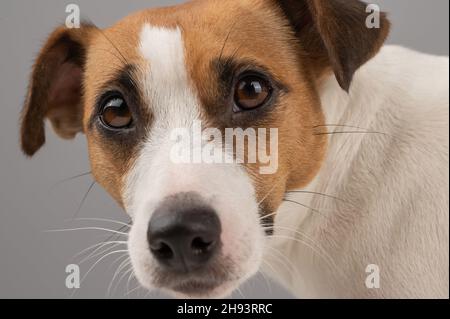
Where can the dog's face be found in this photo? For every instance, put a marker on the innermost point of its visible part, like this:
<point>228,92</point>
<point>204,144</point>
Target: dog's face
<point>199,229</point>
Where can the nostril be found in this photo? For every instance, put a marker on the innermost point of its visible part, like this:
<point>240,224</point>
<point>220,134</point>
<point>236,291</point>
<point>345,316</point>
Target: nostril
<point>201,246</point>
<point>162,251</point>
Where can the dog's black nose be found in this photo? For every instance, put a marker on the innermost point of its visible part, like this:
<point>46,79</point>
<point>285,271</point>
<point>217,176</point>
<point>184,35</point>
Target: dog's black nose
<point>184,233</point>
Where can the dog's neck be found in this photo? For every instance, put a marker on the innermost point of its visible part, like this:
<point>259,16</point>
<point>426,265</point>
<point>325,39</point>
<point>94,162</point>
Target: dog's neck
<point>355,111</point>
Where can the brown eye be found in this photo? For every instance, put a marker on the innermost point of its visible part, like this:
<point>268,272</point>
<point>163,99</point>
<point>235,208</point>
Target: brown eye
<point>251,92</point>
<point>116,114</point>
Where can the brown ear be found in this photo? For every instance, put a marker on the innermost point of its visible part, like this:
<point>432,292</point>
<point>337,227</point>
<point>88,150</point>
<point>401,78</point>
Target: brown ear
<point>333,33</point>
<point>55,89</point>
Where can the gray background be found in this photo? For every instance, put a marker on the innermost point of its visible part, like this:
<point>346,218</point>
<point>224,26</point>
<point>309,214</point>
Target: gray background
<point>32,262</point>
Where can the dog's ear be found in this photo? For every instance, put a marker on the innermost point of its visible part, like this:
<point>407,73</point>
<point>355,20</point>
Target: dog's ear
<point>334,33</point>
<point>55,88</point>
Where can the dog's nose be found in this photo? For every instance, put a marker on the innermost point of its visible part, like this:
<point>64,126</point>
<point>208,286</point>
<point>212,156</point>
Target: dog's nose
<point>184,234</point>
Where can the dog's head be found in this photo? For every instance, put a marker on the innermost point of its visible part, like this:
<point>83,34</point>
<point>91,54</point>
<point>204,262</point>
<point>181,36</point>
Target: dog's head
<point>199,229</point>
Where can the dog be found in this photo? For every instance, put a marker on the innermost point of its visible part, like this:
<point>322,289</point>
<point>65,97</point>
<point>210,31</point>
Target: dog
<point>358,205</point>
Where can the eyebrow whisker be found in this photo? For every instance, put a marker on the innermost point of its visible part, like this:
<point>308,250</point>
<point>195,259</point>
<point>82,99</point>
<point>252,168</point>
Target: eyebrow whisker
<point>226,39</point>
<point>124,59</point>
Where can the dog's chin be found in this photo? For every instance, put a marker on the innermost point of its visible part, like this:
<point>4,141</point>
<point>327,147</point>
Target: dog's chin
<point>195,289</point>
<point>202,290</point>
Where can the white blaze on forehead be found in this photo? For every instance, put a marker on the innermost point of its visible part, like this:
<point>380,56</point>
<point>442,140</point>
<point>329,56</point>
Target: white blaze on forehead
<point>228,189</point>
<point>166,84</point>
<point>163,48</point>
<point>172,102</point>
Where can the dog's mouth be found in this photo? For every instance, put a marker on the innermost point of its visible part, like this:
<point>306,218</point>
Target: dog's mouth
<point>214,282</point>
<point>187,249</point>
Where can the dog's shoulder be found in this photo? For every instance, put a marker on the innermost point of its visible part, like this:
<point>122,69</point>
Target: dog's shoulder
<point>404,93</point>
<point>389,159</point>
<point>409,78</point>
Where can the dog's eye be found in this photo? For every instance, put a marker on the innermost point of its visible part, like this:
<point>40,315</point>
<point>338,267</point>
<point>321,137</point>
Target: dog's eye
<point>251,92</point>
<point>115,113</point>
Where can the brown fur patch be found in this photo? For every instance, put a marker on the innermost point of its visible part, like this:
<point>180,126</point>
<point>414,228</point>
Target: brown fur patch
<point>334,33</point>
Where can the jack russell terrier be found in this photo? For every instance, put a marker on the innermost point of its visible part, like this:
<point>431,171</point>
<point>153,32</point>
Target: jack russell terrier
<point>361,186</point>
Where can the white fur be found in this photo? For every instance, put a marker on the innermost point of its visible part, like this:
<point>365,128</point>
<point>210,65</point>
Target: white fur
<point>166,86</point>
<point>154,176</point>
<point>393,188</point>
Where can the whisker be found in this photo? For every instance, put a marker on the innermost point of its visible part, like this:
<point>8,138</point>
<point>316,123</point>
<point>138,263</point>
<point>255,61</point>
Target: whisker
<point>241,293</point>
<point>129,272</point>
<point>303,205</point>
<point>94,246</point>
<point>133,290</point>
<point>351,132</point>
<point>109,240</point>
<point>362,129</point>
<point>94,254</point>
<point>116,64</point>
<point>270,191</point>
<point>84,199</point>
<point>116,236</point>
<point>275,272</point>
<point>121,229</point>
<point>124,263</point>
<point>104,220</point>
<point>97,262</point>
<point>314,209</point>
<point>341,125</point>
<point>235,53</point>
<point>226,40</point>
<point>267,281</point>
<point>327,258</point>
<point>124,59</point>
<point>295,231</point>
<point>288,266</point>
<point>358,130</point>
<point>71,178</point>
<point>265,217</point>
<point>130,277</point>
<point>84,228</point>
<point>117,260</point>
<point>320,194</point>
